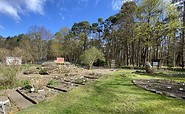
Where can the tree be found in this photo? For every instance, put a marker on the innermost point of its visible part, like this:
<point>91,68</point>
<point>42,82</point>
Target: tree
<point>82,29</point>
<point>26,46</point>
<point>3,54</point>
<point>91,55</point>
<point>2,42</point>
<point>126,22</point>
<point>55,46</point>
<point>96,30</point>
<point>39,37</point>
<point>156,20</point>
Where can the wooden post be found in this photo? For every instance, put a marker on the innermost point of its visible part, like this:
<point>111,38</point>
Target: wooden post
<point>60,69</point>
<point>60,61</point>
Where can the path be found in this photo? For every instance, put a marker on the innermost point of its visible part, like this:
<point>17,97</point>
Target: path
<point>18,99</point>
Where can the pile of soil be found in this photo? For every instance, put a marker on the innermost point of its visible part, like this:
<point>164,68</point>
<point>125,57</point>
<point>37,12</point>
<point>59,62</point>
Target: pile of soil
<point>165,87</point>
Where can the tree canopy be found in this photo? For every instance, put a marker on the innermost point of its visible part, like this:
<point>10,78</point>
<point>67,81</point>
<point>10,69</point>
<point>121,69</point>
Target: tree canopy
<point>136,34</point>
<point>91,55</point>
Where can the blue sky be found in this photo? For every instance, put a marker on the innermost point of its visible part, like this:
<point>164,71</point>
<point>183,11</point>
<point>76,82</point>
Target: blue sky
<point>16,16</point>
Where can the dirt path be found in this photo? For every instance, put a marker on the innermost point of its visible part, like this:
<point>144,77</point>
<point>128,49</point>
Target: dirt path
<point>18,99</point>
<point>102,71</point>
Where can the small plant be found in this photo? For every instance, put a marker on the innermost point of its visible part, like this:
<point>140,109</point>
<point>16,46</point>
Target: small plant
<point>80,81</point>
<point>27,88</point>
<point>53,82</point>
<point>26,85</point>
<point>43,72</point>
<point>31,70</point>
<point>25,82</point>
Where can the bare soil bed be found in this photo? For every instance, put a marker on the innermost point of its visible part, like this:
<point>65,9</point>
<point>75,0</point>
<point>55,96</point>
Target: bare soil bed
<point>65,82</point>
<point>165,87</point>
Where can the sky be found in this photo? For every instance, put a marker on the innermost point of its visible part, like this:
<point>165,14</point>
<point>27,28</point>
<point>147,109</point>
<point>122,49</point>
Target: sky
<point>17,16</point>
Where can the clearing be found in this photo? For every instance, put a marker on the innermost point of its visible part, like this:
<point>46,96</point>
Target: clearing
<point>112,94</point>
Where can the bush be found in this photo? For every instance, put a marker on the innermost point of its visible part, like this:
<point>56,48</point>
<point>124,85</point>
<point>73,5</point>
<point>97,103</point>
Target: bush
<point>91,55</point>
<point>100,63</point>
<point>8,75</point>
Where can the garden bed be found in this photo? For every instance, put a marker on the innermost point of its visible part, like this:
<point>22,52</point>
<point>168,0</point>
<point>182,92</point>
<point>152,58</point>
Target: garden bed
<point>165,87</point>
<point>40,95</point>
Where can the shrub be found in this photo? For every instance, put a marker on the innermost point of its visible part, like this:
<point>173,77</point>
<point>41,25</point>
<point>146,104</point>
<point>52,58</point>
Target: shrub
<point>100,63</point>
<point>25,82</point>
<point>8,76</point>
<point>91,55</point>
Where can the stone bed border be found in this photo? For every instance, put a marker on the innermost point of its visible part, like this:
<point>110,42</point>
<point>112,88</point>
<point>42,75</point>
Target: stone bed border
<point>158,92</point>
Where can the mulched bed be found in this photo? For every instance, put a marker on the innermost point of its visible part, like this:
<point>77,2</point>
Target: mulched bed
<point>63,85</point>
<point>165,87</point>
<point>72,82</point>
<point>36,97</point>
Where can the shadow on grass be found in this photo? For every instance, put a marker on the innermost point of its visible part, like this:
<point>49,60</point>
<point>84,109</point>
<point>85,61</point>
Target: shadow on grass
<point>164,76</point>
<point>137,100</point>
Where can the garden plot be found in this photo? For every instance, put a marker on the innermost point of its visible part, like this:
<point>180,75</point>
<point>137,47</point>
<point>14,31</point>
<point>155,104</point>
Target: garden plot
<point>68,83</point>
<point>41,83</point>
<point>166,87</point>
<point>39,95</point>
<point>54,87</point>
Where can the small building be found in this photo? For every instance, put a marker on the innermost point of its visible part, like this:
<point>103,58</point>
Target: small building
<point>13,61</point>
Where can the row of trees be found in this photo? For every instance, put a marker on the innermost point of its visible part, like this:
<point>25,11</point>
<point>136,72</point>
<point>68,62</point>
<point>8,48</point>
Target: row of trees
<point>138,33</point>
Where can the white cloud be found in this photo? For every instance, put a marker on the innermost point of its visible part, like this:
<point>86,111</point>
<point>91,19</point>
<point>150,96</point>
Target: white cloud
<point>14,8</point>
<point>8,9</point>
<point>36,6</point>
<point>62,16</point>
<point>116,4</point>
<point>1,27</point>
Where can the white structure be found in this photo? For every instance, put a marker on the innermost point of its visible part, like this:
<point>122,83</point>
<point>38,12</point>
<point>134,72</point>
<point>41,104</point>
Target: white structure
<point>13,61</point>
<point>2,104</point>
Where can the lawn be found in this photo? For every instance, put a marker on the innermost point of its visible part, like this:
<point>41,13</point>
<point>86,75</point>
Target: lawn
<point>114,94</point>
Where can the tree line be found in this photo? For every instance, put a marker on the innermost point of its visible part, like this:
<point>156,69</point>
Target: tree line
<point>136,34</point>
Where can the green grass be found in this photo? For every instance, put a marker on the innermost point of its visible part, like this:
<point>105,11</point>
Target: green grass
<point>113,94</point>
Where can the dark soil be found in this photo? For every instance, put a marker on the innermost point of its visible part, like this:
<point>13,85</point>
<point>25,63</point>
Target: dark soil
<point>165,87</point>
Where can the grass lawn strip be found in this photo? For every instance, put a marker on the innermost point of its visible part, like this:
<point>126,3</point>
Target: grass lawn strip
<point>114,94</point>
